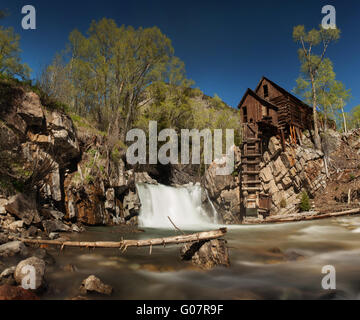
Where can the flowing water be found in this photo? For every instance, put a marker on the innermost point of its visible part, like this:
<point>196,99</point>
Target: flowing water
<point>279,261</point>
<point>183,205</point>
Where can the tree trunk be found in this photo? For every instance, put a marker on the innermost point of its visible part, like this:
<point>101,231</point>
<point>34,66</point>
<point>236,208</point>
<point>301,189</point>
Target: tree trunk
<point>344,119</point>
<point>128,119</point>
<point>317,140</point>
<point>304,217</point>
<point>195,237</point>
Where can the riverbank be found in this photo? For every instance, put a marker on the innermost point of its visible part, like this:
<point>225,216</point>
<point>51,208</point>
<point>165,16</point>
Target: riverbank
<point>300,216</point>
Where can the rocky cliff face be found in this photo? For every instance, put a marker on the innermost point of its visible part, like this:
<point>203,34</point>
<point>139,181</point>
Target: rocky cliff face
<point>56,178</point>
<point>224,190</point>
<point>284,175</point>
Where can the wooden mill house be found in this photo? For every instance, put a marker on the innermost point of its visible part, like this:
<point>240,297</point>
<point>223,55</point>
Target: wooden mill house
<point>268,111</point>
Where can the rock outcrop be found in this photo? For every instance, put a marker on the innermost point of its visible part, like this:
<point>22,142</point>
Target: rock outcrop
<point>206,254</point>
<point>224,190</point>
<point>284,175</point>
<point>24,207</point>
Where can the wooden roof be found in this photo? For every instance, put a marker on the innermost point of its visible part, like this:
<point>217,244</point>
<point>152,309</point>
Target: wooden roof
<point>261,100</point>
<point>282,90</point>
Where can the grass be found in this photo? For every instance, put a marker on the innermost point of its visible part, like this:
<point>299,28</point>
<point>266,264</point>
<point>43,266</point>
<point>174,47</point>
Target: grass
<point>82,123</point>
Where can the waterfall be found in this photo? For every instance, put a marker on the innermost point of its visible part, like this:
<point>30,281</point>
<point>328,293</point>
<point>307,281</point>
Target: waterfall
<point>182,204</point>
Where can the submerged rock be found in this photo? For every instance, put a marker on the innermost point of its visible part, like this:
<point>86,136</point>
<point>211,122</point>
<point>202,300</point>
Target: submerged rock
<point>70,268</point>
<point>207,254</point>
<point>94,284</point>
<point>42,254</point>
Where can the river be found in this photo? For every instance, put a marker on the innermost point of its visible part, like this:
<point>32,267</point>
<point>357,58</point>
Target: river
<point>258,269</point>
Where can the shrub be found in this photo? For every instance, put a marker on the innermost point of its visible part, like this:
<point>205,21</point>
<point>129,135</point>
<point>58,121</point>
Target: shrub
<point>283,203</point>
<point>305,202</point>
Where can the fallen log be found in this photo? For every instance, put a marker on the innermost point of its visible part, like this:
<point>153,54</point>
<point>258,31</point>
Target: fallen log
<point>300,217</point>
<point>124,244</point>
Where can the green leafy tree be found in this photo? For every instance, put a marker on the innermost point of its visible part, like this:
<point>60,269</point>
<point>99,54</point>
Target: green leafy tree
<point>110,70</point>
<point>311,62</point>
<point>304,202</point>
<point>10,61</point>
<point>354,118</point>
<point>331,94</point>
<point>55,81</point>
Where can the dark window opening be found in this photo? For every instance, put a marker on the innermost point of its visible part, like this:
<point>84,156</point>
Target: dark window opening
<point>266,91</point>
<point>244,114</point>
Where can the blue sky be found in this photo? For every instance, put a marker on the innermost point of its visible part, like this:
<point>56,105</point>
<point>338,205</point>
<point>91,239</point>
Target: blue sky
<point>226,45</point>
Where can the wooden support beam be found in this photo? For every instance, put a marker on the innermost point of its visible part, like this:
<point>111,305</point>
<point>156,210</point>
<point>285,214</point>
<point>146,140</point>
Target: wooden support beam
<point>283,139</point>
<point>298,133</point>
<point>251,189</point>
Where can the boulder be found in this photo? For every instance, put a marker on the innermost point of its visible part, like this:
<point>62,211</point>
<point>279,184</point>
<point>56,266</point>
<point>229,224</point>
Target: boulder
<point>206,254</point>
<point>54,226</point>
<point>30,109</point>
<point>22,271</point>
<point>16,225</point>
<point>64,135</point>
<point>11,96</point>
<point>3,203</point>
<point>3,238</point>
<point>131,207</point>
<point>93,284</point>
<point>143,177</point>
<point>24,207</point>
<point>12,248</point>
<point>53,235</point>
<point>8,292</point>
<point>7,272</point>
<point>50,213</point>
<point>274,147</point>
<point>86,204</point>
<point>31,232</point>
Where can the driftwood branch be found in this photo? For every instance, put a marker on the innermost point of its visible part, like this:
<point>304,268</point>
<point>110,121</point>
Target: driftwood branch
<point>124,244</point>
<point>178,229</point>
